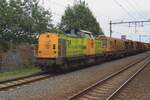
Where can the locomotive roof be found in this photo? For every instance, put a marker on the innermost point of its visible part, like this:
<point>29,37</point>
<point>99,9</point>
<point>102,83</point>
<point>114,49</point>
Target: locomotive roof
<point>106,37</point>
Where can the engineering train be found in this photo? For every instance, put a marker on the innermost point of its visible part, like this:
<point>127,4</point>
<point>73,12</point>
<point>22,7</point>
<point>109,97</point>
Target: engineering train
<point>67,51</point>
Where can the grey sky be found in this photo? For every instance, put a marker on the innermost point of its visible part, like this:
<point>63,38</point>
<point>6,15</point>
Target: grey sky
<point>106,10</point>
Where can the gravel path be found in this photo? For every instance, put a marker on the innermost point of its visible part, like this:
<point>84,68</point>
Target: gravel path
<point>60,87</point>
<point>139,88</point>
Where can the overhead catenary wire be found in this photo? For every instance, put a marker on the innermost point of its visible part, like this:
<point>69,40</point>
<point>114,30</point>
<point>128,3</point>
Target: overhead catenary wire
<point>137,5</point>
<point>134,7</point>
<point>121,6</point>
<point>129,8</point>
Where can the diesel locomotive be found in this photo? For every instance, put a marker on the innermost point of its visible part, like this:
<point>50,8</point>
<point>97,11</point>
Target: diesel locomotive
<point>66,51</point>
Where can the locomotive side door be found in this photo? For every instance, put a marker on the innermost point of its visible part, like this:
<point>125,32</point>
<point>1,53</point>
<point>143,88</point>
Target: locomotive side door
<point>62,47</point>
<point>90,46</point>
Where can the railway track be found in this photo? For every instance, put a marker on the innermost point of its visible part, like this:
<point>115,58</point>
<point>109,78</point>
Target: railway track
<point>13,83</point>
<point>109,87</point>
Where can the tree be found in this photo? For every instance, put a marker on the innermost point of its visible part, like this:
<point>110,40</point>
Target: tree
<point>80,17</point>
<point>3,17</point>
<point>22,20</point>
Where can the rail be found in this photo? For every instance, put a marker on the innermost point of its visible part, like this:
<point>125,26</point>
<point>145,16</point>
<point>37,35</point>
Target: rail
<point>108,87</point>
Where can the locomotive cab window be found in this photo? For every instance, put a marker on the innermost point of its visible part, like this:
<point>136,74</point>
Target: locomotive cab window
<point>54,46</point>
<point>47,36</point>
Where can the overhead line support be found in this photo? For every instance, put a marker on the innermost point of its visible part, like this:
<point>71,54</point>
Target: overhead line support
<point>127,22</point>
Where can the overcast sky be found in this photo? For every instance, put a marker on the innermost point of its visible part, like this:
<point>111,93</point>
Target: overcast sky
<point>106,10</point>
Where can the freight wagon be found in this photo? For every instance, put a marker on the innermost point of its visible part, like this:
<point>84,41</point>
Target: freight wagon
<point>67,51</point>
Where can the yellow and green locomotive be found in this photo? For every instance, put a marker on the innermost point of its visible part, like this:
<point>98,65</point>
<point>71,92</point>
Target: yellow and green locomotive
<point>60,51</point>
<point>67,51</point>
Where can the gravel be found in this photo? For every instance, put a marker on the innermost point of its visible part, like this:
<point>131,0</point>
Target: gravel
<point>62,86</point>
<point>139,88</point>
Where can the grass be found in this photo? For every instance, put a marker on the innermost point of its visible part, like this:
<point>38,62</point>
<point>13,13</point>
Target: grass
<point>18,73</point>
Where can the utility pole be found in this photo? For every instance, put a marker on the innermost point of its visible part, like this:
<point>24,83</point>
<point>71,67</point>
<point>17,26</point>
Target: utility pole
<point>136,23</point>
<point>110,28</point>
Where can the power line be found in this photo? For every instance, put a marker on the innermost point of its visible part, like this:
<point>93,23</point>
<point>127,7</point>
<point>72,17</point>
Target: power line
<point>124,9</point>
<point>139,7</point>
<point>130,8</point>
<point>134,8</point>
<point>137,4</point>
<point>113,31</point>
<point>148,21</point>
